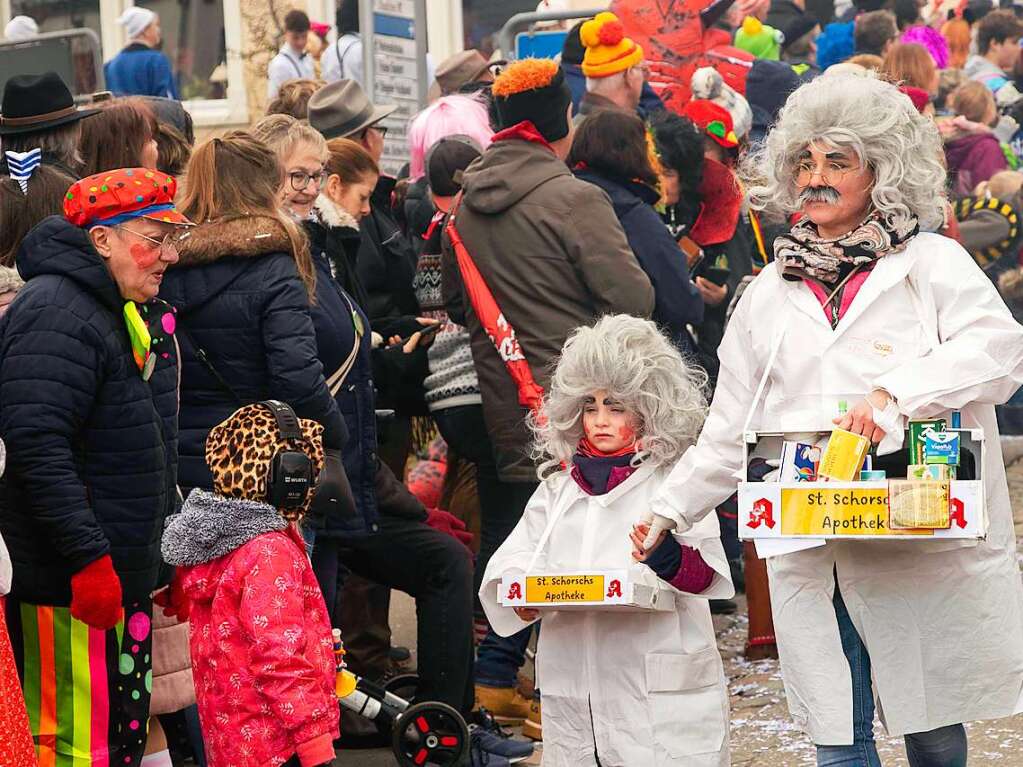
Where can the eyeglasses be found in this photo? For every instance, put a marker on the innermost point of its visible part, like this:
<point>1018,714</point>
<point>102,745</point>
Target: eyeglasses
<point>167,245</point>
<point>299,179</point>
<point>381,129</point>
<point>832,174</point>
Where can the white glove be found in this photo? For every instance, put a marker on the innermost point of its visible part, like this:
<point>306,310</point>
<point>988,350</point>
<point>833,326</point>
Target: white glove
<point>658,525</point>
<point>890,421</point>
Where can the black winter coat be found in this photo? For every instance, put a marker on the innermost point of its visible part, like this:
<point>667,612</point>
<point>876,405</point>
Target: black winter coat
<point>92,448</point>
<point>677,302</point>
<point>240,300</point>
<point>386,262</point>
<point>332,248</point>
<point>376,490</point>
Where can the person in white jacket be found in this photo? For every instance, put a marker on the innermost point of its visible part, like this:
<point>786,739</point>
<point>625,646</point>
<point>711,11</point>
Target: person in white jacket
<point>620,688</point>
<point>860,306</point>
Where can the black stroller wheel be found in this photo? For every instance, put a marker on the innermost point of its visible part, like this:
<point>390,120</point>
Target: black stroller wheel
<point>430,734</point>
<point>403,686</point>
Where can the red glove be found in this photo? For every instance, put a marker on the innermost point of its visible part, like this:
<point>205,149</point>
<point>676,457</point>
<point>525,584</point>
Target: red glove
<point>441,520</point>
<point>96,594</point>
<point>173,599</point>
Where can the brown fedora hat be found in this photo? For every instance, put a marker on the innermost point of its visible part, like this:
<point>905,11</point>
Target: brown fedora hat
<point>459,69</point>
<point>342,109</point>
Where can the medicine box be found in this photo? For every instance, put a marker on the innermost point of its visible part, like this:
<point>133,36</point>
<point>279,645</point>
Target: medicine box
<point>593,590</point>
<point>851,510</point>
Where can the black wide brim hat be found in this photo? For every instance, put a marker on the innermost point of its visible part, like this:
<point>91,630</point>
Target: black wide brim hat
<point>33,103</point>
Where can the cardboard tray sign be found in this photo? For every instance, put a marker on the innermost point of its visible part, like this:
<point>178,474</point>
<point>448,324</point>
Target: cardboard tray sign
<point>595,590</point>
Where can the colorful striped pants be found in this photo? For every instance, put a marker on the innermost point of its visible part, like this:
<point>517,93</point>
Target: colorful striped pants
<point>87,691</point>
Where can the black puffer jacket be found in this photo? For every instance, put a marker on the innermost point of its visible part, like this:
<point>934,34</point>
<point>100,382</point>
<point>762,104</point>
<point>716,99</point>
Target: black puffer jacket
<point>91,447</point>
<point>240,299</point>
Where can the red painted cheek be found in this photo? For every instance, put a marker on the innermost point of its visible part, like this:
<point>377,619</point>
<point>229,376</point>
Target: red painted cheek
<point>144,257</point>
<point>626,433</point>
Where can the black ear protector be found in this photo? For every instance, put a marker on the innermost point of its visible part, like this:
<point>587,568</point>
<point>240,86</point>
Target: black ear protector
<point>291,471</point>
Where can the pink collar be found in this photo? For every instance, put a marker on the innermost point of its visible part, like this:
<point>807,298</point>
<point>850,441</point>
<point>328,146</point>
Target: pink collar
<point>852,287</point>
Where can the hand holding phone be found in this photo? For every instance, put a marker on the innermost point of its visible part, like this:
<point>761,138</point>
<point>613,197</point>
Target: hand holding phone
<point>428,332</point>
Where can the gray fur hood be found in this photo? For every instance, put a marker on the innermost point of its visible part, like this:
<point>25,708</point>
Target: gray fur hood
<point>210,526</point>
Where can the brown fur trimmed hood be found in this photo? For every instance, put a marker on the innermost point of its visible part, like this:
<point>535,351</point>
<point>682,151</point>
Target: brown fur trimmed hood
<point>242,236</point>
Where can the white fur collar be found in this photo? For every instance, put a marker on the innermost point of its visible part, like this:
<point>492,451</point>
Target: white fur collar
<point>333,215</point>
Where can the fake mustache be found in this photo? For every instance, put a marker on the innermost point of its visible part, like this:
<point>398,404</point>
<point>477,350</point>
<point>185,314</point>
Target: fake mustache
<point>825,194</point>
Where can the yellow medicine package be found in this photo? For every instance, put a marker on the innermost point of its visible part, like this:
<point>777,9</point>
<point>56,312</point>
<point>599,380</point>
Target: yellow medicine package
<point>918,504</point>
<point>843,457</point>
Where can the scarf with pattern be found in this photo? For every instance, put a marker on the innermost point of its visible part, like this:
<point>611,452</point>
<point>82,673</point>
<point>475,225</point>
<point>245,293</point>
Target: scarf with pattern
<point>802,252</point>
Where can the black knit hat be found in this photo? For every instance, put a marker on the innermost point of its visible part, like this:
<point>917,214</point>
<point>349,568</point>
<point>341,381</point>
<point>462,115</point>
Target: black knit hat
<point>573,50</point>
<point>533,90</point>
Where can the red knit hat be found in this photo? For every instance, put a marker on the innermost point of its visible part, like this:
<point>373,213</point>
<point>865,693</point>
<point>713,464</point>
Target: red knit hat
<point>918,96</point>
<point>116,196</point>
<point>714,120</point>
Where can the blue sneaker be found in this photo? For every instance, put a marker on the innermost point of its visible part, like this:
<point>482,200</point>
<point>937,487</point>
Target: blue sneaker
<point>488,736</point>
<point>480,758</point>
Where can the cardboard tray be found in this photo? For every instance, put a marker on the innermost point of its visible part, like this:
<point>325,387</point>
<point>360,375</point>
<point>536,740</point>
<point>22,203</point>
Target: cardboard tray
<point>593,590</point>
<point>851,510</point>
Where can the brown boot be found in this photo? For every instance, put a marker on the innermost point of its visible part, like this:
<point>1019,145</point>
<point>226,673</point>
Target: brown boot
<point>505,704</point>
<point>532,728</point>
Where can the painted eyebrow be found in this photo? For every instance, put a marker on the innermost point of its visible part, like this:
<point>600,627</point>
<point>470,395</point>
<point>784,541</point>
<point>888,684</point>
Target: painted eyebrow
<point>829,156</point>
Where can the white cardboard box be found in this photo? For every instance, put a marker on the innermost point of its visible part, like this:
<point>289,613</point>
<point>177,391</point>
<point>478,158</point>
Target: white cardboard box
<point>619,590</point>
<point>851,510</point>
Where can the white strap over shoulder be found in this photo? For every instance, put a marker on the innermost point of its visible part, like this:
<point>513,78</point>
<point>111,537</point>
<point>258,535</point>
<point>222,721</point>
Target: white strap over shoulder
<point>775,346</point>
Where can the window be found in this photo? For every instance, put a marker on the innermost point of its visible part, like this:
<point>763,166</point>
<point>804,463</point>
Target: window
<point>58,15</point>
<point>202,39</point>
<point>193,40</point>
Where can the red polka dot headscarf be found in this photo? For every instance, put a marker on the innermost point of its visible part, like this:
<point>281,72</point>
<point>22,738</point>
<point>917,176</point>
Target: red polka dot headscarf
<point>116,196</point>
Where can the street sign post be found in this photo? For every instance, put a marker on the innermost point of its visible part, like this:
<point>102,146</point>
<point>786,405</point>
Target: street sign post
<point>394,47</point>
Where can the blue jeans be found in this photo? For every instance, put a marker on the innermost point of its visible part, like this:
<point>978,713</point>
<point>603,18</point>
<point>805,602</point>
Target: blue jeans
<point>498,659</point>
<point>943,747</point>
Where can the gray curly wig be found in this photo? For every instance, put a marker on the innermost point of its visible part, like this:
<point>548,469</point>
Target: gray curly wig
<point>631,360</point>
<point>883,128</point>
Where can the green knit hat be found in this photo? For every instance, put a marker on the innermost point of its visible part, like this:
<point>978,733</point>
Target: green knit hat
<point>759,39</point>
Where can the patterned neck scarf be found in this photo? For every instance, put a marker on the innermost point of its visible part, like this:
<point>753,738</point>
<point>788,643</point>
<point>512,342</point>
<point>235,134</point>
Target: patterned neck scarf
<point>151,333</point>
<point>804,253</point>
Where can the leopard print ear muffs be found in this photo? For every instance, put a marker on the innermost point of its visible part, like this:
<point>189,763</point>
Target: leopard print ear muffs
<point>239,451</point>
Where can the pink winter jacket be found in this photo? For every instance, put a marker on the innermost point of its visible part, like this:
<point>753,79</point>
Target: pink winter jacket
<point>262,654</point>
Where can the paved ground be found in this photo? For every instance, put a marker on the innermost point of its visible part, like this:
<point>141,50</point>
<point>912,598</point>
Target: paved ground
<point>762,735</point>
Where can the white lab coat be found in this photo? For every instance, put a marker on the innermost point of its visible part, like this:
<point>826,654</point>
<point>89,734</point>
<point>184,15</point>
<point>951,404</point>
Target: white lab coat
<point>288,65</point>
<point>942,621</point>
<point>637,688</point>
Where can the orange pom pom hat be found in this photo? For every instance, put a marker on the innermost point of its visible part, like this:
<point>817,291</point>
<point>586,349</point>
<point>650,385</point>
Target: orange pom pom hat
<point>608,50</point>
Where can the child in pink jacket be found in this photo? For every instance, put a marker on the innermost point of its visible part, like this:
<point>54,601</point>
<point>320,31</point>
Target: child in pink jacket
<point>262,656</point>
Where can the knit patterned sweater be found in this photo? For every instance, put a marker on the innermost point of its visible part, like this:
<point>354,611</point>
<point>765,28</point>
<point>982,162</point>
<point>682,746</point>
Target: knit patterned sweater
<point>452,380</point>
